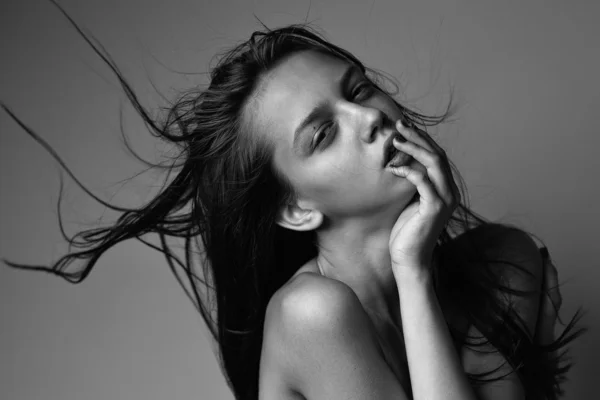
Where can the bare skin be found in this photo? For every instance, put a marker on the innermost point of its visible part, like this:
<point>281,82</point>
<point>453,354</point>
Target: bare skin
<point>278,380</point>
<point>388,333</point>
<point>340,336</point>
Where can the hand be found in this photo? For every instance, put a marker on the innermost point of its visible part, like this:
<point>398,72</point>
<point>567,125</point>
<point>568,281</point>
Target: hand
<point>417,229</point>
<point>551,301</point>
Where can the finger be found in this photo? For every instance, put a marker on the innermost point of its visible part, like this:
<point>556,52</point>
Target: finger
<point>410,133</point>
<point>433,163</point>
<point>426,190</point>
<point>421,138</point>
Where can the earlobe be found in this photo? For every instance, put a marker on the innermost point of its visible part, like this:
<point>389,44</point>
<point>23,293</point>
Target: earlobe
<point>299,219</point>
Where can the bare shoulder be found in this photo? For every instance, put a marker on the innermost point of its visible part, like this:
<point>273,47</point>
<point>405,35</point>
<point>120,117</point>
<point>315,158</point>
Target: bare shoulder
<point>316,324</point>
<point>309,305</point>
<point>297,313</point>
<point>312,300</point>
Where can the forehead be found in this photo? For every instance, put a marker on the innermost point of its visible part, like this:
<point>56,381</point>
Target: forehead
<point>293,88</point>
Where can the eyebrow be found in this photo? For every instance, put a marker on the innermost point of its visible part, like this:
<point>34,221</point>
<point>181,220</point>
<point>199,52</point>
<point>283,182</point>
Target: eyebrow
<point>322,106</point>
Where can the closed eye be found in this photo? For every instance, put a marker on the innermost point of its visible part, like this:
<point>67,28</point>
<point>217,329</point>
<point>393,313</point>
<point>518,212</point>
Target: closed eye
<point>365,87</point>
<point>320,135</point>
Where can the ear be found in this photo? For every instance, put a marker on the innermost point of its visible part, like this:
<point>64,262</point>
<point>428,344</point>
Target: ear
<point>293,217</point>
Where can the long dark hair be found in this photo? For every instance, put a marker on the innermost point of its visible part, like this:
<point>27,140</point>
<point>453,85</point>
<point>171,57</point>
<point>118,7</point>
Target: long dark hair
<point>227,194</point>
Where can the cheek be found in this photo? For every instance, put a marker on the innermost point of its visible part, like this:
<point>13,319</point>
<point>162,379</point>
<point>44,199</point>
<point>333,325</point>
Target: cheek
<point>342,178</point>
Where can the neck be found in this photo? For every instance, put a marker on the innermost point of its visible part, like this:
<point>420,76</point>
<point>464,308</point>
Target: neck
<point>359,256</point>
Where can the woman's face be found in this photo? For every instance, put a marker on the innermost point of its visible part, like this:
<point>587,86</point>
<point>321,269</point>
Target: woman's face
<point>334,160</point>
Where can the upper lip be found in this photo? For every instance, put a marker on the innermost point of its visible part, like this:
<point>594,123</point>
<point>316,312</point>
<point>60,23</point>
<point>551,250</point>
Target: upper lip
<point>388,146</point>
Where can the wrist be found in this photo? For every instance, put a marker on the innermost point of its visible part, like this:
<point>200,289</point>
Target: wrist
<point>413,276</point>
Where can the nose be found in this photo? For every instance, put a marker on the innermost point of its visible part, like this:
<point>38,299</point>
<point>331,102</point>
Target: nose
<point>373,124</point>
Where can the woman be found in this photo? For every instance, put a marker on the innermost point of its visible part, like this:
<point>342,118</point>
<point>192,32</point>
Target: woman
<point>341,267</point>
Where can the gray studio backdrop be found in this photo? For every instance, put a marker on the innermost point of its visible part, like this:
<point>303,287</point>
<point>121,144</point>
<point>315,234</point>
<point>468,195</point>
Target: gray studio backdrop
<point>526,140</point>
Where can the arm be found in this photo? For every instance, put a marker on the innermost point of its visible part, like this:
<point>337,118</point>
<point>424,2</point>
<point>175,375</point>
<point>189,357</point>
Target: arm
<point>435,369</point>
<point>432,359</point>
<point>434,366</point>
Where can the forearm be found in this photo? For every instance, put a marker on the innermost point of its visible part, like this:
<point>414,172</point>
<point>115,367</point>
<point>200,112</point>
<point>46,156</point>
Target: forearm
<point>436,372</point>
